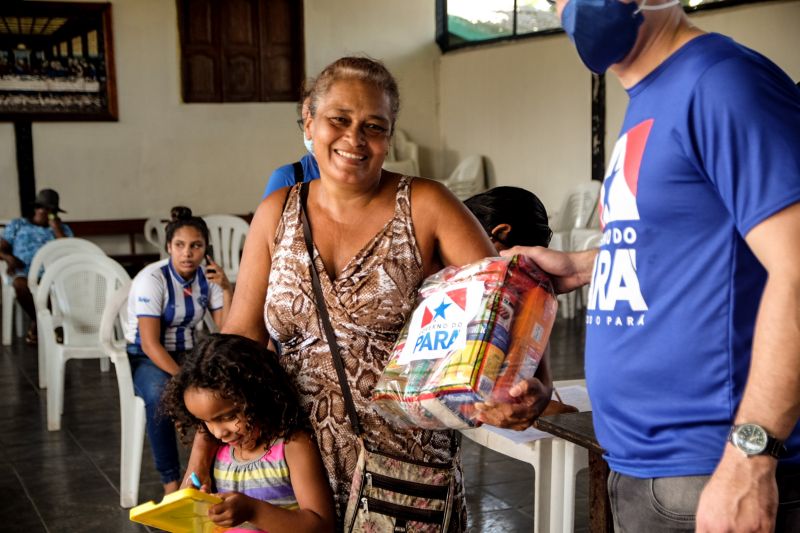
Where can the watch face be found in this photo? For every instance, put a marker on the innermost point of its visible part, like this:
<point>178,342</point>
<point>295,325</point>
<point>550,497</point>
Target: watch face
<point>750,438</point>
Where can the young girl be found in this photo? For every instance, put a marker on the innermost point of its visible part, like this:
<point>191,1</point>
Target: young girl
<point>166,301</point>
<point>268,471</point>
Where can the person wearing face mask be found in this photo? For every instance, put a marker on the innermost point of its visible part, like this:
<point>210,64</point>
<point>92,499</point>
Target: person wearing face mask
<point>22,238</point>
<point>693,324</point>
<point>306,169</point>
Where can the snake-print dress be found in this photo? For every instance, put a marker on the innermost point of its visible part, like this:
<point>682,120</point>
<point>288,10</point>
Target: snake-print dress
<point>368,304</point>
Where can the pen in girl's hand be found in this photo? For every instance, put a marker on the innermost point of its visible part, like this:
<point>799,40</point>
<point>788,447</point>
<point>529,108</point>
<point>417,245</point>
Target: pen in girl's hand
<point>195,481</point>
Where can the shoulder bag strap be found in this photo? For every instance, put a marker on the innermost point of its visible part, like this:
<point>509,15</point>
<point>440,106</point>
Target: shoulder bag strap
<point>299,177</point>
<point>325,319</point>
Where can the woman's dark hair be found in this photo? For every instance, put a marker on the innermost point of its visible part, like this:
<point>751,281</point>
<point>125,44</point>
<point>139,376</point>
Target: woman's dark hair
<point>517,207</point>
<point>181,216</point>
<point>242,371</point>
<point>363,69</point>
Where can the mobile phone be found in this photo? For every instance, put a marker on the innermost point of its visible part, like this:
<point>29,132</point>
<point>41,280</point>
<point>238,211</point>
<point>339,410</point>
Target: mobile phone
<point>209,253</point>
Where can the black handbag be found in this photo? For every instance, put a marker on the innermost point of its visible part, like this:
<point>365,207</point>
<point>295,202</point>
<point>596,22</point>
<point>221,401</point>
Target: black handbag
<point>388,494</point>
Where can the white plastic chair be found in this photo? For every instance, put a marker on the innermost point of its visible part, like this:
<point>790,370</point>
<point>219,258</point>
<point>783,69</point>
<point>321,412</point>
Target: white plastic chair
<point>8,299</point>
<point>578,212</point>
<point>9,303</point>
<point>227,234</point>
<point>536,453</point>
<point>155,233</point>
<point>47,255</point>
<point>132,411</point>
<point>403,155</point>
<point>55,250</point>
<point>80,284</point>
<point>468,178</point>
<point>556,464</point>
<point>404,167</point>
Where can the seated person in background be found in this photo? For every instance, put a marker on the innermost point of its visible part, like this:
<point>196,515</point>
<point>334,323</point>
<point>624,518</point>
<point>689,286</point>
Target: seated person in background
<point>513,216</point>
<point>21,240</point>
<point>268,470</point>
<point>167,300</point>
<point>304,170</point>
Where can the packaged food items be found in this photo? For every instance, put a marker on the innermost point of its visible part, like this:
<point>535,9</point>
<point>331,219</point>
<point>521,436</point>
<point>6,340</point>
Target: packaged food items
<point>476,331</point>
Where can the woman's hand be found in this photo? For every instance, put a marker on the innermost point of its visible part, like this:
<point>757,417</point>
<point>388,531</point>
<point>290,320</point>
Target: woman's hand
<point>530,398</point>
<point>216,274</point>
<point>234,509</point>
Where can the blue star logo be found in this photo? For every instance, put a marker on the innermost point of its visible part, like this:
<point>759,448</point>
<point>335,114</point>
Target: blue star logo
<point>607,188</point>
<point>439,311</point>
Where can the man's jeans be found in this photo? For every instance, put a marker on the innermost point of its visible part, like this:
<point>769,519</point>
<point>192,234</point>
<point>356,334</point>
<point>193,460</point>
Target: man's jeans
<point>669,504</point>
<point>148,384</point>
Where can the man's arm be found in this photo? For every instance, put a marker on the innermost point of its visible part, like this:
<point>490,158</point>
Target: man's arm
<point>742,494</point>
<point>7,255</point>
<point>568,270</point>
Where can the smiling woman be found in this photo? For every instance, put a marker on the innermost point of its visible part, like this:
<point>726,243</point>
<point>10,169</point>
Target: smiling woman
<point>374,235</point>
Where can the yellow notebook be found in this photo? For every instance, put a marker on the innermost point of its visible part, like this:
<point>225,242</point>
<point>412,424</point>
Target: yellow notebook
<point>184,511</point>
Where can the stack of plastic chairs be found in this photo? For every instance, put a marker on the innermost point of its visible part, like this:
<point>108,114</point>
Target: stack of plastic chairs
<point>46,256</point>
<point>403,155</point>
<point>78,287</point>
<point>578,213</point>
<point>8,300</point>
<point>9,303</point>
<point>132,411</point>
<point>227,234</point>
<point>155,233</point>
<point>468,178</point>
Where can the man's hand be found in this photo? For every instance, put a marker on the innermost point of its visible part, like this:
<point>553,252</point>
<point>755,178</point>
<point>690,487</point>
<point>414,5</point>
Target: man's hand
<point>530,399</point>
<point>741,495</point>
<point>234,509</point>
<point>13,265</point>
<point>567,270</point>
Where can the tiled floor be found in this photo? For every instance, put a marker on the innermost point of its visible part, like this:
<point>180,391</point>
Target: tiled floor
<point>67,481</point>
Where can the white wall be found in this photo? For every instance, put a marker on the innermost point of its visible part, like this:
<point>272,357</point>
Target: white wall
<point>214,158</point>
<point>527,105</point>
<point>401,34</point>
<point>524,105</point>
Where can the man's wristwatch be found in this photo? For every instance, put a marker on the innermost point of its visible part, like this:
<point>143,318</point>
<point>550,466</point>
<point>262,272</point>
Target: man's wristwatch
<point>752,439</point>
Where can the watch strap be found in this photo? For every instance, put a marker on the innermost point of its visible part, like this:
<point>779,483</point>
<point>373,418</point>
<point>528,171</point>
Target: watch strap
<point>775,448</point>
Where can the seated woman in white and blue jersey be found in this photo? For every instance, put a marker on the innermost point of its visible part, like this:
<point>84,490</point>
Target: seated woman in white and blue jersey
<point>167,300</point>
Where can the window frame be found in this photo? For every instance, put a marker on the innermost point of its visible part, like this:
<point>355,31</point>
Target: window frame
<point>443,41</point>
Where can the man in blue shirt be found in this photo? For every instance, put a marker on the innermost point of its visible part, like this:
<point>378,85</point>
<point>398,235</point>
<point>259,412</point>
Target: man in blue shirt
<point>693,322</point>
<point>22,238</point>
<point>305,169</point>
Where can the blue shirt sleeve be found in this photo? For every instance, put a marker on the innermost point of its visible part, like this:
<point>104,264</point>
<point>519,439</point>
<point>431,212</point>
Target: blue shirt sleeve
<point>67,230</point>
<point>746,122</point>
<point>281,177</point>
<point>10,231</point>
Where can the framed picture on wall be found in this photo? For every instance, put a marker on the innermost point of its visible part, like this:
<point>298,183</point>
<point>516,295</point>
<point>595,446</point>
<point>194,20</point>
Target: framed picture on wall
<point>56,61</point>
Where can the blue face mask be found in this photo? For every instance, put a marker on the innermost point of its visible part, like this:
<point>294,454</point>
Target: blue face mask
<point>309,144</point>
<point>604,31</point>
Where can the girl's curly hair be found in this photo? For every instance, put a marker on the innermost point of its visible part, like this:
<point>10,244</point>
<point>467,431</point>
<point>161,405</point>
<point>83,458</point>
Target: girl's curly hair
<point>244,372</point>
